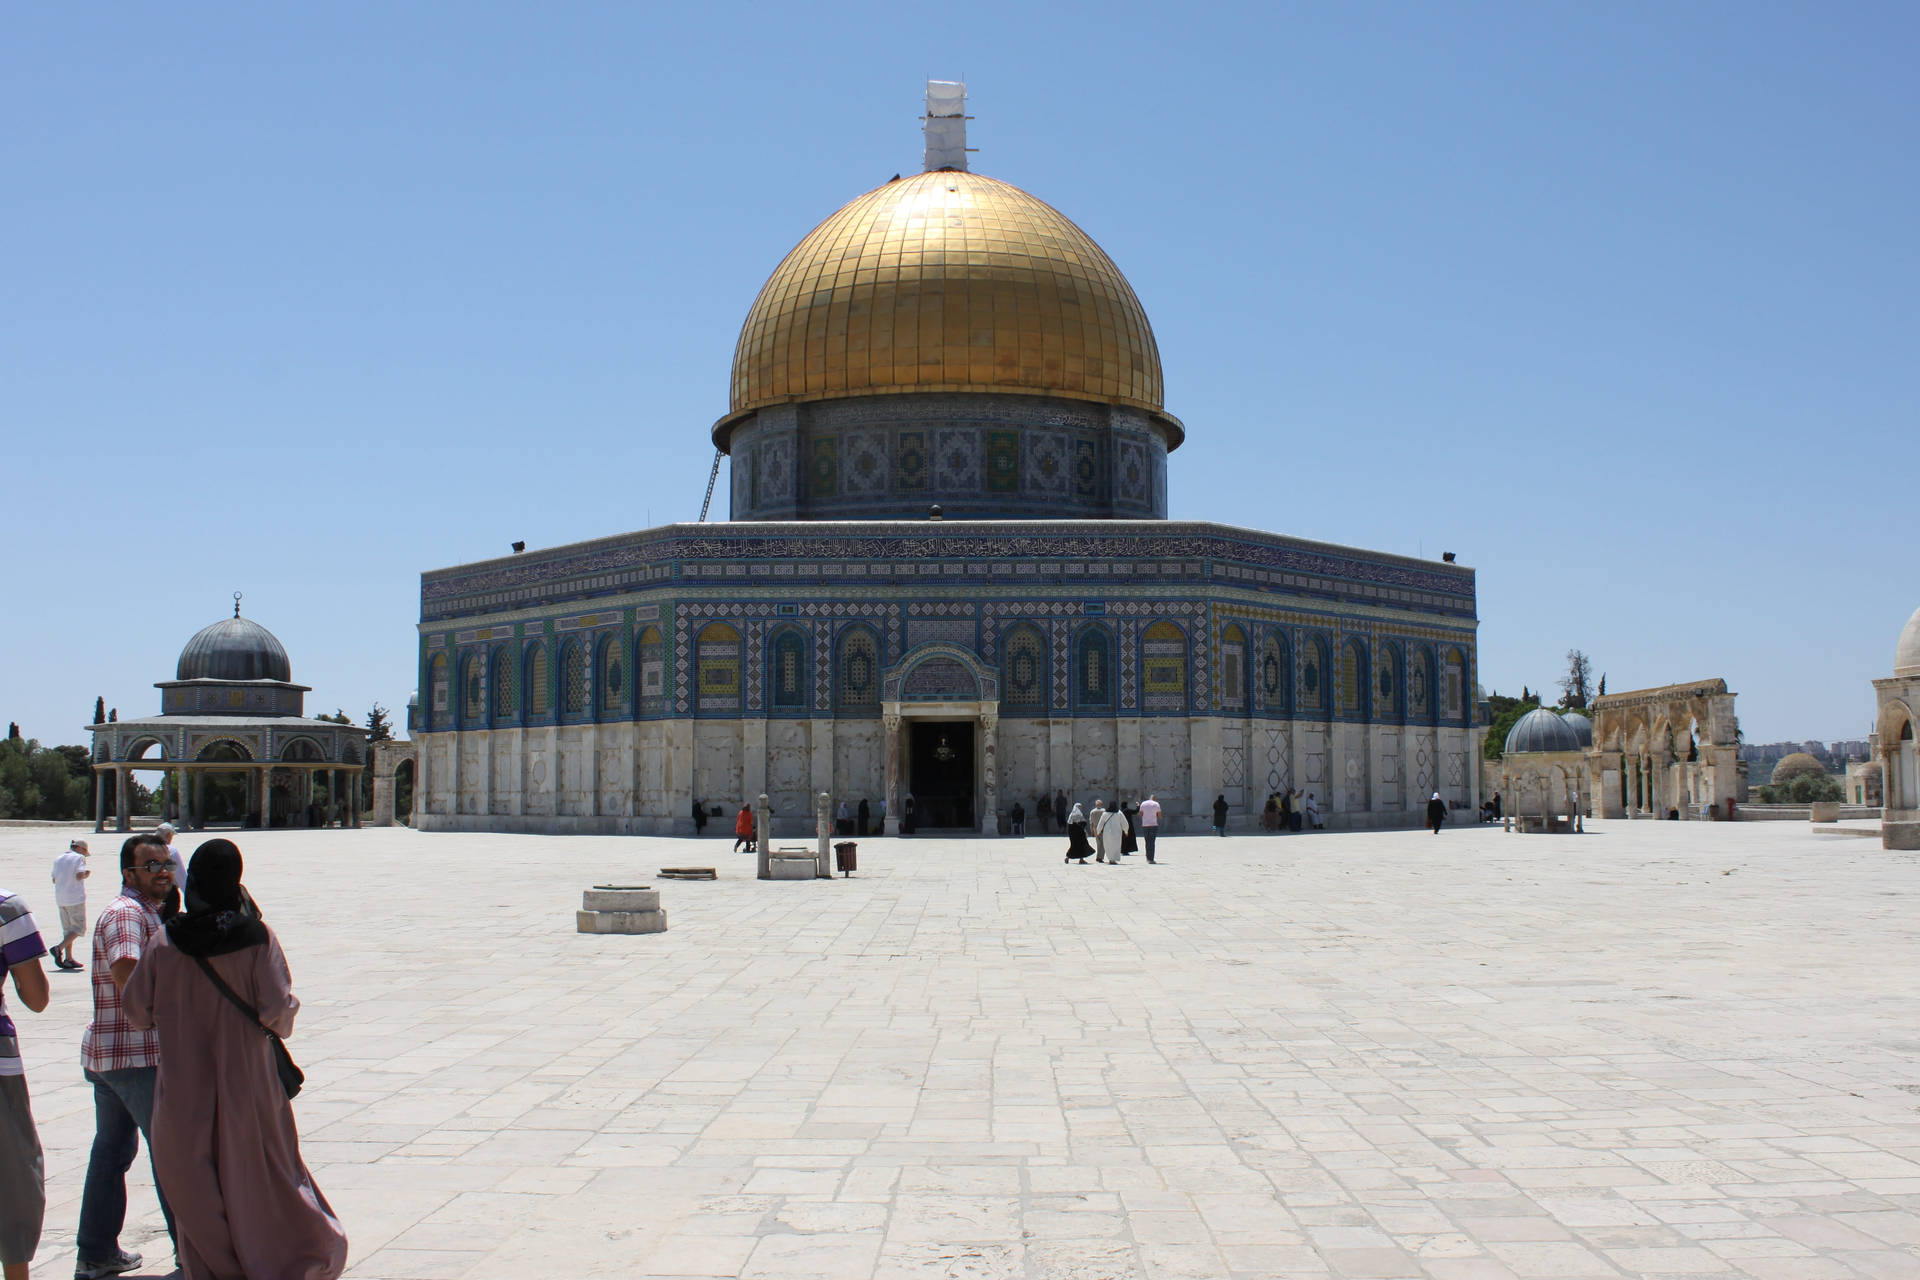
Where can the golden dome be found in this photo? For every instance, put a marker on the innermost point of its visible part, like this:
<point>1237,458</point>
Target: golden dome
<point>945,281</point>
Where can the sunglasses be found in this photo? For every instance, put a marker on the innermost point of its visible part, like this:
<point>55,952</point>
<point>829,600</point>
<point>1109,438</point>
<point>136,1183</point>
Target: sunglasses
<point>155,868</point>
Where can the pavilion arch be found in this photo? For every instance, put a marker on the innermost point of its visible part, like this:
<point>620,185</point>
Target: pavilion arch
<point>1668,750</point>
<point>1025,677</point>
<point>787,671</point>
<point>222,749</point>
<point>1164,657</point>
<point>503,688</point>
<point>1898,735</point>
<point>302,749</point>
<point>136,748</point>
<point>1093,668</point>
<point>856,670</point>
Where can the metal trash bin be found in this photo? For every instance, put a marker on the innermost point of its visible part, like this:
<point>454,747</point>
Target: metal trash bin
<point>846,857</point>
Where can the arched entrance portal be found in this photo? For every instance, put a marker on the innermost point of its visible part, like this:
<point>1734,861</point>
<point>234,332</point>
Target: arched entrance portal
<point>941,710</point>
<point>223,797</point>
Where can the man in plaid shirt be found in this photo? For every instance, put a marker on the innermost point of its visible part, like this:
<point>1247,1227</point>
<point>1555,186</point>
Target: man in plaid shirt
<point>121,1062</point>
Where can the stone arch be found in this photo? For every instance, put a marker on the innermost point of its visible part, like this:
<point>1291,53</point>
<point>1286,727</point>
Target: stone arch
<point>136,748</point>
<point>389,801</point>
<point>304,748</point>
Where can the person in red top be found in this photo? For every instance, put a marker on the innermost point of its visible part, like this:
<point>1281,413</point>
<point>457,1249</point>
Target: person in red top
<point>120,1060</point>
<point>743,829</point>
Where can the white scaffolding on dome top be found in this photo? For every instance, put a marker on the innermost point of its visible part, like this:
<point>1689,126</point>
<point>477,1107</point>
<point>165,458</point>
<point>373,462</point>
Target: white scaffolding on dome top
<point>946,125</point>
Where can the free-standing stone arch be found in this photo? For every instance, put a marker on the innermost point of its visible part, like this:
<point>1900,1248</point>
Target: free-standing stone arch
<point>388,757</point>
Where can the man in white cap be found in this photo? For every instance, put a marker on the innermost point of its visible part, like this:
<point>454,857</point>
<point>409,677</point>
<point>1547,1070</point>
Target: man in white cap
<point>165,832</point>
<point>70,900</point>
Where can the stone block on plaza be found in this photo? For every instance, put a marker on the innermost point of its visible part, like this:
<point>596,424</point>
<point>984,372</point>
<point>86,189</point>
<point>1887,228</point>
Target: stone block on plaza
<point>1900,835</point>
<point>793,867</point>
<point>609,908</point>
<point>1824,811</point>
<point>620,921</point>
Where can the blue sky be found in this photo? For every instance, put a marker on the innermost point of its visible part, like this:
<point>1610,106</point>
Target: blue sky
<point>1617,302</point>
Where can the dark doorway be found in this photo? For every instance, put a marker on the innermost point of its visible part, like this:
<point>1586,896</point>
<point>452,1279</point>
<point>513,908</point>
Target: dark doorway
<point>940,773</point>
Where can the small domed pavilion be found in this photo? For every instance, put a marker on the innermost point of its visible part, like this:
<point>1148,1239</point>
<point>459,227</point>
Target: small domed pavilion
<point>234,738</point>
<point>1898,697</point>
<point>1543,771</point>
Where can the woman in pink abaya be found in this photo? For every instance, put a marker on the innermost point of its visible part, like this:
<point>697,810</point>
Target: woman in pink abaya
<point>224,1145</point>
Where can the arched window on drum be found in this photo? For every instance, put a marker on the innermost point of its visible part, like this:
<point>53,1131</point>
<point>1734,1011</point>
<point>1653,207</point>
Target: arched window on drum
<point>858,671</point>
<point>1353,680</point>
<point>1420,701</point>
<point>1093,669</point>
<point>717,668</point>
<point>1023,670</point>
<point>787,672</point>
<point>505,704</point>
<point>539,680</point>
<point>613,676</point>
<point>1163,668</point>
<point>1456,678</point>
<point>573,679</point>
<point>1313,675</point>
<point>473,692</point>
<point>437,684</point>
<point>1274,680</point>
<point>1232,681</point>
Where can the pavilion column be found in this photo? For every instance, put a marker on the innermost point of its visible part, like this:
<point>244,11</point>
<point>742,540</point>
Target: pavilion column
<point>100,799</point>
<point>266,797</point>
<point>120,797</point>
<point>891,726</point>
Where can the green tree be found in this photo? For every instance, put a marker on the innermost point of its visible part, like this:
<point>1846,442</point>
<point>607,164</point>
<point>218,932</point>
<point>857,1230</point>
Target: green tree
<point>1576,687</point>
<point>379,725</point>
<point>1506,713</point>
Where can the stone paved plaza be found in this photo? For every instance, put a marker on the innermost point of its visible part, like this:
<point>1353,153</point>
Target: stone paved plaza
<point>1656,1049</point>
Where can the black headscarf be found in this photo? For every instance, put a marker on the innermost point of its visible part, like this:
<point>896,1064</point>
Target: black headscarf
<point>220,915</point>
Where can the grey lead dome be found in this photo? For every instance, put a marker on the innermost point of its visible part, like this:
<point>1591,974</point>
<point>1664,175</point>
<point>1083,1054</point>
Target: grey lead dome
<point>1542,730</point>
<point>1581,726</point>
<point>234,649</point>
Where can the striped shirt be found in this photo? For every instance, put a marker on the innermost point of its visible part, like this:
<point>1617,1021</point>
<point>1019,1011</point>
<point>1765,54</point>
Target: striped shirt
<point>19,943</point>
<point>122,933</point>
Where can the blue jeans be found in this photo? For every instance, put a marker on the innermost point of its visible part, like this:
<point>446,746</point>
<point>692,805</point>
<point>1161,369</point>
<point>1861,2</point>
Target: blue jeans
<point>122,1112</point>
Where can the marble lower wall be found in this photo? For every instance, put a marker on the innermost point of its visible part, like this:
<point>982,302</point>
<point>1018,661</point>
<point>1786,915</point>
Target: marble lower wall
<point>642,778</point>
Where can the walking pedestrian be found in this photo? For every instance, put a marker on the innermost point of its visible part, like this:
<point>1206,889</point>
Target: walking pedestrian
<point>70,901</point>
<point>1436,813</point>
<point>1220,815</point>
<point>1313,813</point>
<point>1017,820</point>
<point>1129,835</point>
<point>1077,847</point>
<point>743,828</point>
<point>225,1149</point>
<point>120,1060</point>
<point>1103,830</point>
<point>699,817</point>
<point>865,817</point>
<point>1060,807</point>
<point>1286,812</point>
<point>23,1189</point>
<point>1149,823</point>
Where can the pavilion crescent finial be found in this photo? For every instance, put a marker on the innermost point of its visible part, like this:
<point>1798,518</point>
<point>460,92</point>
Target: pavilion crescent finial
<point>236,604</point>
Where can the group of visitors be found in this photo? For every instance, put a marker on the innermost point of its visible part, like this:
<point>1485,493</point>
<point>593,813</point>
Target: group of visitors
<point>1108,835</point>
<point>1291,811</point>
<point>191,997</point>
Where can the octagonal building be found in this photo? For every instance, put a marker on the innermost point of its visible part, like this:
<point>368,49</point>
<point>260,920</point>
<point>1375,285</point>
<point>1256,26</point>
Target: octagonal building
<point>948,574</point>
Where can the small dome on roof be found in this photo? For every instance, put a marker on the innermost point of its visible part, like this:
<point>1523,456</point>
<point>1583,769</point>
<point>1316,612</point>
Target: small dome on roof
<point>1581,726</point>
<point>1542,730</point>
<point>1906,654</point>
<point>234,648</point>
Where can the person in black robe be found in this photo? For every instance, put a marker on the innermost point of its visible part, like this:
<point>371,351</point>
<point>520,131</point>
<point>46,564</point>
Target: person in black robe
<point>1436,813</point>
<point>1286,811</point>
<point>906,815</point>
<point>865,813</point>
<point>699,817</point>
<point>1078,849</point>
<point>1220,815</point>
<point>1129,839</point>
<point>1060,809</point>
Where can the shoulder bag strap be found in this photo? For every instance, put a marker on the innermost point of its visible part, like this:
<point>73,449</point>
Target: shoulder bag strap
<point>227,991</point>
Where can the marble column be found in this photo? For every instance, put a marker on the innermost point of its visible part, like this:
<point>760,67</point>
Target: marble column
<point>266,798</point>
<point>890,724</point>
<point>763,835</point>
<point>100,799</point>
<point>120,799</point>
<point>990,772</point>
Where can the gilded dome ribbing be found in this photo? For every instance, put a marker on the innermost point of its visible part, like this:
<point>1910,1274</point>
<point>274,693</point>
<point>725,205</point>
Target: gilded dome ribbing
<point>945,281</point>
